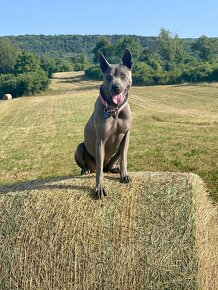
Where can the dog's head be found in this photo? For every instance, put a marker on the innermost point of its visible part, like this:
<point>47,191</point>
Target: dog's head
<point>116,78</point>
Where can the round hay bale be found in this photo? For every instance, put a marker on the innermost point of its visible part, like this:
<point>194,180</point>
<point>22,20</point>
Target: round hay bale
<point>151,234</point>
<point>7,97</point>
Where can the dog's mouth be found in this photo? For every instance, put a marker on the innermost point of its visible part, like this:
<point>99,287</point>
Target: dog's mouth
<point>119,98</point>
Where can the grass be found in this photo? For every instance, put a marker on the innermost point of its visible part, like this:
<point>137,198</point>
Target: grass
<point>174,129</point>
<point>158,233</point>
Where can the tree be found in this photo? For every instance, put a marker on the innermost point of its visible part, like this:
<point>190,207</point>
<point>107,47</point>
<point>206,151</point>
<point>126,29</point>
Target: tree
<point>151,58</point>
<point>142,74</point>
<point>64,65</point>
<point>104,46</point>
<point>8,56</point>
<point>26,62</point>
<point>80,62</point>
<point>171,49</point>
<point>23,84</point>
<point>204,47</point>
<point>49,65</point>
<point>27,77</point>
<point>131,43</point>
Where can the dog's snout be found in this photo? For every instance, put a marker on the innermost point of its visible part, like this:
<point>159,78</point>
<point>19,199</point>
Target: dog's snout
<point>116,88</point>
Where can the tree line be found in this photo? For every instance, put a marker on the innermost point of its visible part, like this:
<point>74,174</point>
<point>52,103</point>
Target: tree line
<point>170,60</point>
<point>66,46</point>
<point>28,62</point>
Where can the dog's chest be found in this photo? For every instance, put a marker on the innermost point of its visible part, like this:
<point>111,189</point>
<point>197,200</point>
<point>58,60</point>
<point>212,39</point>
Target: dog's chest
<point>118,126</point>
<point>122,126</point>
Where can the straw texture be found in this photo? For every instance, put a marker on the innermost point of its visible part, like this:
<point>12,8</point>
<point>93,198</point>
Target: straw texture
<point>151,234</point>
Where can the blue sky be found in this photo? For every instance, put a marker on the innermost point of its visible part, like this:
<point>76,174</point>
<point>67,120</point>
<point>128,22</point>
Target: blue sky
<point>187,18</point>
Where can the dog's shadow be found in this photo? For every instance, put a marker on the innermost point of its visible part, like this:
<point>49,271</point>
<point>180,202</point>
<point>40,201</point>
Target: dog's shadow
<point>49,183</point>
<point>55,183</point>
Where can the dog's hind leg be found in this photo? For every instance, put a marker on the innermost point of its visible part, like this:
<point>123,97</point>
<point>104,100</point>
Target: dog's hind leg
<point>84,160</point>
<point>113,165</point>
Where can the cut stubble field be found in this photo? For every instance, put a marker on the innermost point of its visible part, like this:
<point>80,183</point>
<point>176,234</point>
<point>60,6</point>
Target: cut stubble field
<point>174,129</point>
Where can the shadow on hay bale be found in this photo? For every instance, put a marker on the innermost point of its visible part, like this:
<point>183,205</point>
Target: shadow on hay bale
<point>153,234</point>
<point>7,97</point>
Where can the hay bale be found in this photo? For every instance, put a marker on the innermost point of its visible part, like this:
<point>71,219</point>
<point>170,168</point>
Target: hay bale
<point>7,97</point>
<point>152,234</point>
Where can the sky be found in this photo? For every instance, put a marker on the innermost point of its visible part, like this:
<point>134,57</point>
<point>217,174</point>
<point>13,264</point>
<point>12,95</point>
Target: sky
<point>187,18</point>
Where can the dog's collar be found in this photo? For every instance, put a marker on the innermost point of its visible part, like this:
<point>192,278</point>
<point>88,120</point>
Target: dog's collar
<point>110,110</point>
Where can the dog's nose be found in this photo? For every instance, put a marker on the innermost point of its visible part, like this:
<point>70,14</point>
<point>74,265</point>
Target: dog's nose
<point>115,87</point>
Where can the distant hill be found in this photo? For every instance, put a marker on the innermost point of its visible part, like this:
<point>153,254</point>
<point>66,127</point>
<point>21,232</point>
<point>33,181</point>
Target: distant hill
<point>62,46</point>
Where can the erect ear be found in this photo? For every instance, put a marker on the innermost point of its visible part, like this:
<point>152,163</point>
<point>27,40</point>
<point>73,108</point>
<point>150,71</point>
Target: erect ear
<point>127,58</point>
<point>104,64</point>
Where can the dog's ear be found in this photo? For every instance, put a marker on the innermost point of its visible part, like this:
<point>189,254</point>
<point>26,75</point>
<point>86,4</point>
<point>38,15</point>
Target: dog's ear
<point>127,58</point>
<point>104,64</point>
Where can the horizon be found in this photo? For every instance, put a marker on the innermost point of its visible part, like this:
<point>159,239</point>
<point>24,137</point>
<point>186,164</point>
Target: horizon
<point>98,34</point>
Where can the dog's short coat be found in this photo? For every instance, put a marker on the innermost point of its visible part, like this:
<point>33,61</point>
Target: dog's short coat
<point>106,134</point>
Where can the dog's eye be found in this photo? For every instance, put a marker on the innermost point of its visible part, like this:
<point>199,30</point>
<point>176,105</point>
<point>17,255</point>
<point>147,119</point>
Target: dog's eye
<point>122,75</point>
<point>109,78</point>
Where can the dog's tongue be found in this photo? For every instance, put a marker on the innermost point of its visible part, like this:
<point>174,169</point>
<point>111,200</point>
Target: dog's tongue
<point>118,99</point>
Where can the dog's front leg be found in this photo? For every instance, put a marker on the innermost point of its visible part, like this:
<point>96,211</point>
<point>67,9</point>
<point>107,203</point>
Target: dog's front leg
<point>124,177</point>
<point>100,152</point>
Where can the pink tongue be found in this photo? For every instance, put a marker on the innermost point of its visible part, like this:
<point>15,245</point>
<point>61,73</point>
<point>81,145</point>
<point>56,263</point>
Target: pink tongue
<point>118,99</point>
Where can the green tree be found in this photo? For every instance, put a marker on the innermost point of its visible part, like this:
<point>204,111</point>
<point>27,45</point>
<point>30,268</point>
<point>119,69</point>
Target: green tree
<point>131,43</point>
<point>8,56</point>
<point>171,49</point>
<point>104,46</point>
<point>93,72</point>
<point>80,62</point>
<point>204,48</point>
<point>49,65</point>
<point>27,62</point>
<point>151,58</point>
<point>64,65</point>
<point>23,84</point>
<point>142,74</point>
<point>27,77</point>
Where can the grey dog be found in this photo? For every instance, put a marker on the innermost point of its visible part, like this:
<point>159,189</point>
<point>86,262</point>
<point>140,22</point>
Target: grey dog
<point>106,134</point>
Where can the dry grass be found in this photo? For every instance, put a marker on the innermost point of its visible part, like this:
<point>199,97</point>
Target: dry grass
<point>157,233</point>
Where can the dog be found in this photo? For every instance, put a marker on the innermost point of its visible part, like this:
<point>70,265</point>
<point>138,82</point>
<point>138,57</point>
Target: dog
<point>106,134</point>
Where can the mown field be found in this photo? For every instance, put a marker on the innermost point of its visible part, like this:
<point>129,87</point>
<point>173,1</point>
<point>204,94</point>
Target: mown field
<point>174,129</point>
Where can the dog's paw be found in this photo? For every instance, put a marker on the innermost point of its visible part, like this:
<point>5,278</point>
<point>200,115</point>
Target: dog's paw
<point>100,192</point>
<point>85,171</point>
<point>125,179</point>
